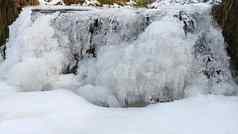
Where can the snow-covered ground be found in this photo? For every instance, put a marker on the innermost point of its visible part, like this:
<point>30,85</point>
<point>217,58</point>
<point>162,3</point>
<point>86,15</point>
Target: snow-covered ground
<point>63,112</point>
<point>60,63</point>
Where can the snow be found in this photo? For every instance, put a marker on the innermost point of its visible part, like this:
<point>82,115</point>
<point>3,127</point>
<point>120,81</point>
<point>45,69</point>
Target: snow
<point>85,3</point>
<point>51,2</point>
<point>91,3</point>
<point>63,112</point>
<point>162,3</point>
<point>143,56</point>
<point>142,68</point>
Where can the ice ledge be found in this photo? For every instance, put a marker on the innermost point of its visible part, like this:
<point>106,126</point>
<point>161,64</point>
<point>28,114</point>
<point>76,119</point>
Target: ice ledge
<point>61,10</point>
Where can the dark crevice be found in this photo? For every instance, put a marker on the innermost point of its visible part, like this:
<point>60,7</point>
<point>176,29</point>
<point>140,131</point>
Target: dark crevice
<point>3,51</point>
<point>188,22</point>
<point>72,69</point>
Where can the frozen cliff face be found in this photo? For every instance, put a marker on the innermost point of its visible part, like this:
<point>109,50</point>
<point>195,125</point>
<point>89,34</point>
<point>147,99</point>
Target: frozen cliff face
<point>90,30</point>
<point>119,57</point>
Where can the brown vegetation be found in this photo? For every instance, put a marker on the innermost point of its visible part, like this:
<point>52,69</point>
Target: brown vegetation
<point>69,2</point>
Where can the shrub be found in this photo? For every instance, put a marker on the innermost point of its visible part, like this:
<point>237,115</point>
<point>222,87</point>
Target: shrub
<point>142,3</point>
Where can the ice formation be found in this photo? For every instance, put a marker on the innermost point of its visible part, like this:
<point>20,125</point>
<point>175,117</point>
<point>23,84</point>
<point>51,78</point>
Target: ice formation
<point>119,57</point>
<point>159,3</point>
<point>51,2</point>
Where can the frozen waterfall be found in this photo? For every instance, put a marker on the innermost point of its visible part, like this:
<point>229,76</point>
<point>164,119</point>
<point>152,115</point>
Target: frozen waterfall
<point>118,57</point>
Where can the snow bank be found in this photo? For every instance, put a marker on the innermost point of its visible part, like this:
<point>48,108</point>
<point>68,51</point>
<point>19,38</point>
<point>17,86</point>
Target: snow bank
<point>63,112</point>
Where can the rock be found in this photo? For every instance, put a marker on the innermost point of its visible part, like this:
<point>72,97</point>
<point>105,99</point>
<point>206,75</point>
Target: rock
<point>226,15</point>
<point>3,52</point>
<point>8,13</point>
<point>72,68</point>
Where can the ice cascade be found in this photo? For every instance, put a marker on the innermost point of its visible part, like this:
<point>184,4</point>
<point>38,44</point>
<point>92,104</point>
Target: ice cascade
<point>119,57</point>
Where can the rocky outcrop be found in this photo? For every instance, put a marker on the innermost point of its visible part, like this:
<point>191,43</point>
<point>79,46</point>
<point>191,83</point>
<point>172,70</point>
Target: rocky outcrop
<point>226,15</point>
<point>8,13</point>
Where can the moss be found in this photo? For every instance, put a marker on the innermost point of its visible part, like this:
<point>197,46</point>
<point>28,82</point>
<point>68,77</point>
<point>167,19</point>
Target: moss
<point>142,3</point>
